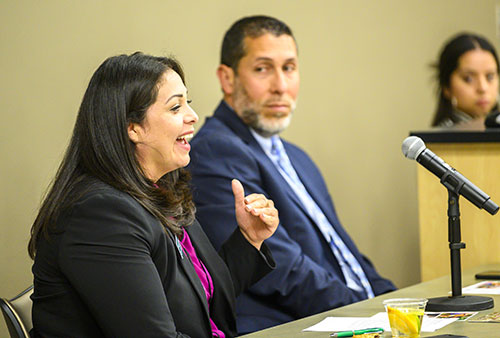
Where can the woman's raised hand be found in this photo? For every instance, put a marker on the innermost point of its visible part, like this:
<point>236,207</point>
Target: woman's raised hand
<point>256,215</point>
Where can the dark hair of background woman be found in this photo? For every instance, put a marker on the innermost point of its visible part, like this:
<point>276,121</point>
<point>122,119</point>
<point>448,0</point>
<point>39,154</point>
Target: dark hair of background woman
<point>120,92</point>
<point>448,63</point>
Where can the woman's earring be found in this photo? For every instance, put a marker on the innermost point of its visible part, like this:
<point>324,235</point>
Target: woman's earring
<point>454,101</point>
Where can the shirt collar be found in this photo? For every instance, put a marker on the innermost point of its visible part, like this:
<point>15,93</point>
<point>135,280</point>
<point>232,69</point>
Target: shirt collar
<point>264,142</point>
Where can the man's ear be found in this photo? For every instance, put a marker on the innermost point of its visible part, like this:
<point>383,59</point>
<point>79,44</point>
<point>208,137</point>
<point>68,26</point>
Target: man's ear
<point>226,79</point>
<point>134,132</point>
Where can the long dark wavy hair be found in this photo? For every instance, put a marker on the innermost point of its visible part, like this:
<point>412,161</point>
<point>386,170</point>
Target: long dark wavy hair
<point>120,92</point>
<point>448,63</point>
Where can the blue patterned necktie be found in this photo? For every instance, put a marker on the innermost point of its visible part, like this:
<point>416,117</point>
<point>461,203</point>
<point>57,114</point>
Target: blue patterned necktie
<point>355,276</point>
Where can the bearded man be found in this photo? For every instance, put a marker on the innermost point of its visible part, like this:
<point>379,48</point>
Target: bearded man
<point>318,265</point>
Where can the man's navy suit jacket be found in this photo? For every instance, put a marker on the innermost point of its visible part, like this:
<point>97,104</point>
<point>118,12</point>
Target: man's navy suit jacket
<point>308,278</point>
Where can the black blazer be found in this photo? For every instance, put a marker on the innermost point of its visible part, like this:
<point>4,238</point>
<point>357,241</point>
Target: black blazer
<point>111,270</point>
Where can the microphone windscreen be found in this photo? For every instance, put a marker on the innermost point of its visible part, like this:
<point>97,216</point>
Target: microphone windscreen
<point>412,147</point>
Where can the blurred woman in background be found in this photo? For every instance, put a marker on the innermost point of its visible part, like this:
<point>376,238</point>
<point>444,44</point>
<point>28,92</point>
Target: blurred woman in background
<point>467,74</point>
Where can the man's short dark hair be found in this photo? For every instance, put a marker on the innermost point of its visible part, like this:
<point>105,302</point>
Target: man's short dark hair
<point>233,48</point>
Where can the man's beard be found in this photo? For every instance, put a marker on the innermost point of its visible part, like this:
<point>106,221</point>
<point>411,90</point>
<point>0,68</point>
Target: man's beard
<point>249,113</point>
<point>263,125</point>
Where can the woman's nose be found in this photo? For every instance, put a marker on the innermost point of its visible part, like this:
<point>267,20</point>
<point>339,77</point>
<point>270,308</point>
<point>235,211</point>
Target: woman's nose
<point>482,84</point>
<point>191,117</point>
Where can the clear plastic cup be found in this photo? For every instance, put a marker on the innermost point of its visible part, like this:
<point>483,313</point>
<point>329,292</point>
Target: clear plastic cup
<point>405,316</point>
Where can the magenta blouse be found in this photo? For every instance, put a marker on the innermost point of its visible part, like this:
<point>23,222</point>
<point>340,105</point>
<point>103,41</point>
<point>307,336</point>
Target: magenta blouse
<point>204,277</point>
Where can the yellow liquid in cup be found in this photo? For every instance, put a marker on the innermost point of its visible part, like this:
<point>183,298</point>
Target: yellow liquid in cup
<point>405,322</point>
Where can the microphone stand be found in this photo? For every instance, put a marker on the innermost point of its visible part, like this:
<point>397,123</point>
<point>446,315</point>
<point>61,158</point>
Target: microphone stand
<point>457,302</point>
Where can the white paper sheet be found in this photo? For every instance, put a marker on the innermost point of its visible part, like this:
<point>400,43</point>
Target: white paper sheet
<point>337,324</point>
<point>488,287</point>
<point>331,324</point>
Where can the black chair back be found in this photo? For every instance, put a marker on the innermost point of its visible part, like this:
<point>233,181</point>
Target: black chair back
<point>17,313</point>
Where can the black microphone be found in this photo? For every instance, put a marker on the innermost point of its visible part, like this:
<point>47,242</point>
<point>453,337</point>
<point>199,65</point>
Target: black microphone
<point>414,148</point>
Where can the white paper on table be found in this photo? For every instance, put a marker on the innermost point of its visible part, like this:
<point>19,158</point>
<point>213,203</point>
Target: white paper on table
<point>488,287</point>
<point>331,324</point>
<point>337,324</point>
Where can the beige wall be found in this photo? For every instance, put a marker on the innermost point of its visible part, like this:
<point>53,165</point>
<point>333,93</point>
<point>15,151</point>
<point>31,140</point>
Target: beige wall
<point>365,83</point>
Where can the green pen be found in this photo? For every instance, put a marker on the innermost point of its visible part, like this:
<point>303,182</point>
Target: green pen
<point>356,332</point>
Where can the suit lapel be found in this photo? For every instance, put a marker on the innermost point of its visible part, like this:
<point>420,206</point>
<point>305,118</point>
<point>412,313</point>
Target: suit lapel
<point>307,179</point>
<point>269,166</point>
<point>222,304</point>
<point>194,280</point>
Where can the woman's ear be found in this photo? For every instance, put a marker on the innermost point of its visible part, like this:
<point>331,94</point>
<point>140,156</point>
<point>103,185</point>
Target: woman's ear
<point>446,93</point>
<point>134,132</point>
<point>226,79</point>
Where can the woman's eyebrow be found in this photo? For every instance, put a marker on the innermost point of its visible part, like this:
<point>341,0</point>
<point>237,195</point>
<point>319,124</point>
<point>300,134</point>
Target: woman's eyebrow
<point>173,96</point>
